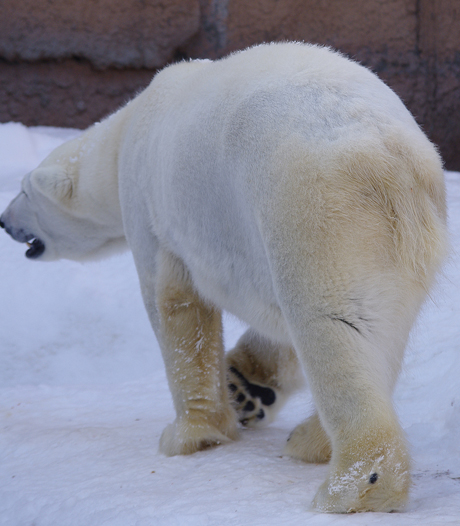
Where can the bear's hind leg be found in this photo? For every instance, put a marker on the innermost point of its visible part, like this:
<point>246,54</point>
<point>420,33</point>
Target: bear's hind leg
<point>190,336</point>
<point>350,378</point>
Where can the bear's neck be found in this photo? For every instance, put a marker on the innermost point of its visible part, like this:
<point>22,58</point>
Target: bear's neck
<point>99,150</point>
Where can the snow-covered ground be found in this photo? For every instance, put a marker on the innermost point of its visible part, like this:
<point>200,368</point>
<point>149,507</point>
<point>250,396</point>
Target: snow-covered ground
<point>84,400</point>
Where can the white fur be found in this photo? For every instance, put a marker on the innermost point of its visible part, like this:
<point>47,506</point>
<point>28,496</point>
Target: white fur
<point>291,187</point>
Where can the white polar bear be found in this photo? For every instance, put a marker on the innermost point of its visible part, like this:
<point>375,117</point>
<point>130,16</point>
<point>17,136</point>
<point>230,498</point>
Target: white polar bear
<point>291,187</point>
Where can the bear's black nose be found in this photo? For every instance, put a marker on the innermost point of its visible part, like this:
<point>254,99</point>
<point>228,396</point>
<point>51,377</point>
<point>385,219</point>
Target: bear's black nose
<point>2,224</point>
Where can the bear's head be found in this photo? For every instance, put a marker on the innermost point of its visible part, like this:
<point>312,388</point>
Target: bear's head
<point>59,213</point>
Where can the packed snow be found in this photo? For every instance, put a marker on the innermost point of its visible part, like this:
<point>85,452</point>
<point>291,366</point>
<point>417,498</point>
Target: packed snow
<point>84,400</point>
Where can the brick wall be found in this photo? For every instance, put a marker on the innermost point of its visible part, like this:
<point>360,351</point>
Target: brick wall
<point>70,63</point>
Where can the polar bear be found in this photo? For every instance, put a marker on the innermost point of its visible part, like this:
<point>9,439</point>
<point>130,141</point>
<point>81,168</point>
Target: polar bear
<point>289,186</point>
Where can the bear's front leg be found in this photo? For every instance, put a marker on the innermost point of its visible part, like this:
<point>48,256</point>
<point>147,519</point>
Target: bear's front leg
<point>192,347</point>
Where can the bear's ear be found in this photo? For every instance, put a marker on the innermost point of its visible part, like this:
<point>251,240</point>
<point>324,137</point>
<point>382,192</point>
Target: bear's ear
<point>53,182</point>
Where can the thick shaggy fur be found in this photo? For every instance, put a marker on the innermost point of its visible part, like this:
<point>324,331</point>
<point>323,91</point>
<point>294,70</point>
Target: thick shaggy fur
<point>291,187</point>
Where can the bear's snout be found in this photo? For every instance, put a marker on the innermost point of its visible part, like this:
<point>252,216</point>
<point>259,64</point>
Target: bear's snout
<point>17,233</point>
<point>36,245</point>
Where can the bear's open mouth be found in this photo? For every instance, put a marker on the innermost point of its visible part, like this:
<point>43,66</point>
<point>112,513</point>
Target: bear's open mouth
<point>36,248</point>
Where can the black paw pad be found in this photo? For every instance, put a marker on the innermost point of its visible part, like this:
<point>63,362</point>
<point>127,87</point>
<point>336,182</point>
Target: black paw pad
<point>247,397</point>
<point>267,396</point>
<point>249,406</point>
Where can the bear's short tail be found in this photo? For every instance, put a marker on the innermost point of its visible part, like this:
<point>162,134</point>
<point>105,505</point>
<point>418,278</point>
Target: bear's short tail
<point>406,184</point>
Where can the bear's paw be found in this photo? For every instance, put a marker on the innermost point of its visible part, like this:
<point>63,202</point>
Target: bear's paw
<point>309,442</point>
<point>255,404</point>
<point>377,480</point>
<point>186,436</point>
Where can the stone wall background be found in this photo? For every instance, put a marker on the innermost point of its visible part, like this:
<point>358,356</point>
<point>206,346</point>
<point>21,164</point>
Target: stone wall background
<point>70,63</point>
